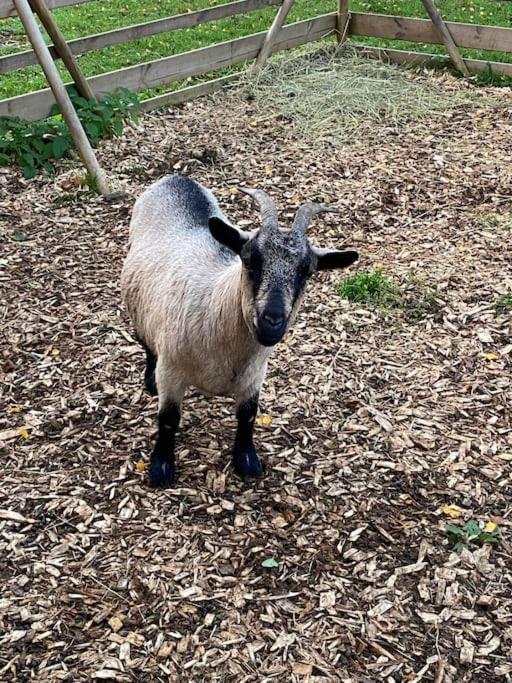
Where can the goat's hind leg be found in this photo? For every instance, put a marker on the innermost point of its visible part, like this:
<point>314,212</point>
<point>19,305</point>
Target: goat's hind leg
<point>149,374</point>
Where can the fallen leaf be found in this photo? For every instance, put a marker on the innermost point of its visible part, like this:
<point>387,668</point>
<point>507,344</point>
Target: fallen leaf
<point>452,510</point>
<point>491,356</point>
<point>140,466</point>
<point>12,409</point>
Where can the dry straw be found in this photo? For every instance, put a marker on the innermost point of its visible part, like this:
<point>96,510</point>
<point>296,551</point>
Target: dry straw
<point>330,93</point>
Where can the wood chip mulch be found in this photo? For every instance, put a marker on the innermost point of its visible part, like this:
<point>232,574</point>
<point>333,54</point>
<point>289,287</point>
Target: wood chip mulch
<point>378,422</point>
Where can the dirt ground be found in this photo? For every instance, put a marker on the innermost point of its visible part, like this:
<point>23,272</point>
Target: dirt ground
<point>379,420</point>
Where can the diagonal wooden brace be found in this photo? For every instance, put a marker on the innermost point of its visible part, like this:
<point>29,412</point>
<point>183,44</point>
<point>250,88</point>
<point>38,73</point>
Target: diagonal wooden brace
<point>446,37</point>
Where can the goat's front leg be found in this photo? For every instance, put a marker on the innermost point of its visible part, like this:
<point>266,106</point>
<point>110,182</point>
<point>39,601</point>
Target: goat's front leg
<point>245,459</point>
<point>162,467</point>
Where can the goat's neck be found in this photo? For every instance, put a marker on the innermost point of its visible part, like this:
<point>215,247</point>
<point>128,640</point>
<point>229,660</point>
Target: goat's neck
<point>233,302</point>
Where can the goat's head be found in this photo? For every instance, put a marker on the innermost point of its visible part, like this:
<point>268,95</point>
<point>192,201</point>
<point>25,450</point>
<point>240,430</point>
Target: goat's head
<point>277,264</point>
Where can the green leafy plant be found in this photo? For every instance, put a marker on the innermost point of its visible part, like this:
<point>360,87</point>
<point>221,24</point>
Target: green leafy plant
<point>471,533</point>
<point>503,305</point>
<point>36,145</point>
<point>372,287</point>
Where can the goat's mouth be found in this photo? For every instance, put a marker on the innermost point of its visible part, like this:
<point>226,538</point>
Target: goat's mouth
<point>270,334</point>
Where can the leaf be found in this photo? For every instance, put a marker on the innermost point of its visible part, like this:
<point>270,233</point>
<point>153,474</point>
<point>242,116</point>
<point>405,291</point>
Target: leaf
<point>140,466</point>
<point>20,237</point>
<point>491,356</point>
<point>270,563</point>
<point>455,530</point>
<point>488,538</point>
<point>59,147</point>
<point>13,409</point>
<point>472,528</point>
<point>264,420</point>
<point>452,510</point>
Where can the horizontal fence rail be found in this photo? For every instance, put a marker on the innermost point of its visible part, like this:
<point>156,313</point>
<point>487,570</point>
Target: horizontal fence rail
<point>37,105</point>
<point>7,8</point>
<point>410,58</point>
<point>424,31</point>
<point>137,31</point>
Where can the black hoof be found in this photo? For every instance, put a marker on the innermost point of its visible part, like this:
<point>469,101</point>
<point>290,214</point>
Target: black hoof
<point>150,384</point>
<point>247,464</point>
<point>162,473</point>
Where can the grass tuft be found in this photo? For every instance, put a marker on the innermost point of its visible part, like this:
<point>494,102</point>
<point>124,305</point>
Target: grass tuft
<point>503,305</point>
<point>369,288</point>
<point>415,301</point>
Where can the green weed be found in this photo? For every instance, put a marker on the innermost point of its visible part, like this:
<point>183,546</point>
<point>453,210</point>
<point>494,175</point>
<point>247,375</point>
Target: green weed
<point>36,145</point>
<point>503,305</point>
<point>470,534</point>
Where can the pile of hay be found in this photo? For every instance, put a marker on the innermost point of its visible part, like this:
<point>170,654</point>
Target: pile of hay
<point>330,93</point>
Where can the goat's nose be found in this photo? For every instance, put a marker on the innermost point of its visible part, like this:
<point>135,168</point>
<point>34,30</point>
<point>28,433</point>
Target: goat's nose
<point>273,319</point>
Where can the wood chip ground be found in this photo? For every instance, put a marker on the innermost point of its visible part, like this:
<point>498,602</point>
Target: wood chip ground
<point>377,423</point>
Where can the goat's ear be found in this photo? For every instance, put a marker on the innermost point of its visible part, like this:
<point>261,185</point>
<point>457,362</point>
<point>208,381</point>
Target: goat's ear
<point>328,259</point>
<point>228,235</point>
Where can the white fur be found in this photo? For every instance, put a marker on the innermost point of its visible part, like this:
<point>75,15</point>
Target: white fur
<point>189,301</point>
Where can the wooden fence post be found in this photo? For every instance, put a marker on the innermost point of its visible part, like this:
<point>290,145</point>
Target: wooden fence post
<point>61,95</point>
<point>273,31</point>
<point>342,20</point>
<point>446,37</point>
<point>62,48</point>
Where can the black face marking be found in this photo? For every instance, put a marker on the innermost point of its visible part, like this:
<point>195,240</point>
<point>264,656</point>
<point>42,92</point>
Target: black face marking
<point>304,271</point>
<point>192,198</point>
<point>253,263</point>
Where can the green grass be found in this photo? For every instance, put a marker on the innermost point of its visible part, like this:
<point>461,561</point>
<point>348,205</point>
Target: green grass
<point>104,15</point>
<point>414,301</point>
<point>372,287</point>
<point>503,305</point>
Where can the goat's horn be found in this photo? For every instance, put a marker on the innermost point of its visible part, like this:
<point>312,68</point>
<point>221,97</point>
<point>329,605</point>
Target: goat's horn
<point>267,206</point>
<point>306,212</point>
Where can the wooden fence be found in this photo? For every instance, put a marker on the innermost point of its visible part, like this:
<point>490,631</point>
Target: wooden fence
<point>208,59</point>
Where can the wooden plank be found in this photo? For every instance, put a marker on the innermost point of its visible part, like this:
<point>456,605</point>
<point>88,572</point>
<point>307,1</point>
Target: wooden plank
<point>7,8</point>
<point>426,59</point>
<point>62,48</point>
<point>422,31</point>
<point>80,139</point>
<point>343,20</point>
<point>178,67</point>
<point>187,94</point>
<point>273,32</point>
<point>445,36</point>
<point>150,28</point>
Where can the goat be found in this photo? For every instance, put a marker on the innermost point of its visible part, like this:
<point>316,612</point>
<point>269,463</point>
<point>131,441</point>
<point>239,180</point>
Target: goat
<point>209,301</point>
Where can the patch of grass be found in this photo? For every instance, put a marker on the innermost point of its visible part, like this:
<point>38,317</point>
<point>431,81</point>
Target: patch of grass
<point>372,287</point>
<point>471,534</point>
<point>503,305</point>
<point>415,301</point>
